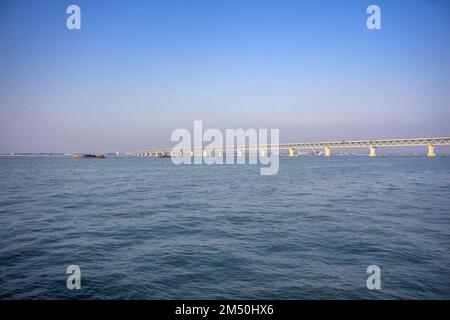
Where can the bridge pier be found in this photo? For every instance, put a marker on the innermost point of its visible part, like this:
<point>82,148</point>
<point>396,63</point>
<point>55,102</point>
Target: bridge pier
<point>373,151</point>
<point>327,151</point>
<point>431,152</point>
<point>291,152</point>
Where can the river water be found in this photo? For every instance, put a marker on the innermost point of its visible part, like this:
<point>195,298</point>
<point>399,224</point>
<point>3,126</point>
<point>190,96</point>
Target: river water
<point>145,228</point>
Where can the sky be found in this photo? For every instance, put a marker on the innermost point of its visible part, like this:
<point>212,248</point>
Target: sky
<point>137,70</point>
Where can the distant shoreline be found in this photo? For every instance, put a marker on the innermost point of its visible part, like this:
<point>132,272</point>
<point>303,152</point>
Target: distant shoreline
<point>27,154</point>
<point>281,155</point>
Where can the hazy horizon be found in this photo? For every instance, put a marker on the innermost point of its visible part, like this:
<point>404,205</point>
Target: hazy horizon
<point>138,70</point>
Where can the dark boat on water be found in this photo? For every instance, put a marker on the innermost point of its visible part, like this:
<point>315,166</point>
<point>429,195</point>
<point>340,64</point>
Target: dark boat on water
<point>89,156</point>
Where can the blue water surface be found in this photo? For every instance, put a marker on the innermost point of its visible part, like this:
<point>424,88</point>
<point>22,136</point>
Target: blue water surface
<point>145,228</point>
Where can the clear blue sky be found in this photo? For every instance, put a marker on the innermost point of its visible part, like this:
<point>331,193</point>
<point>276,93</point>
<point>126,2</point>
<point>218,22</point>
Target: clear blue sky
<point>139,69</point>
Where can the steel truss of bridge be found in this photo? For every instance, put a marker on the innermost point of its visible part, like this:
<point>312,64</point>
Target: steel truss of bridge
<point>326,145</point>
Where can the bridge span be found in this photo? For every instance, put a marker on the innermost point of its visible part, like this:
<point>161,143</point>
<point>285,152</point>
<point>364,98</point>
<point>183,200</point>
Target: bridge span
<point>327,146</point>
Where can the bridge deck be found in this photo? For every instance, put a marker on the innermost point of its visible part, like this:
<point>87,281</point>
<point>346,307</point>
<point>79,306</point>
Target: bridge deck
<point>440,141</point>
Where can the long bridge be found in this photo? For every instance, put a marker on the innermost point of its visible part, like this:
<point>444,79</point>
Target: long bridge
<point>327,146</point>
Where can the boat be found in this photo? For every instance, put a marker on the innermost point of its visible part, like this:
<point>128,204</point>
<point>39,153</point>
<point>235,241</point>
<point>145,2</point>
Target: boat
<point>89,156</point>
